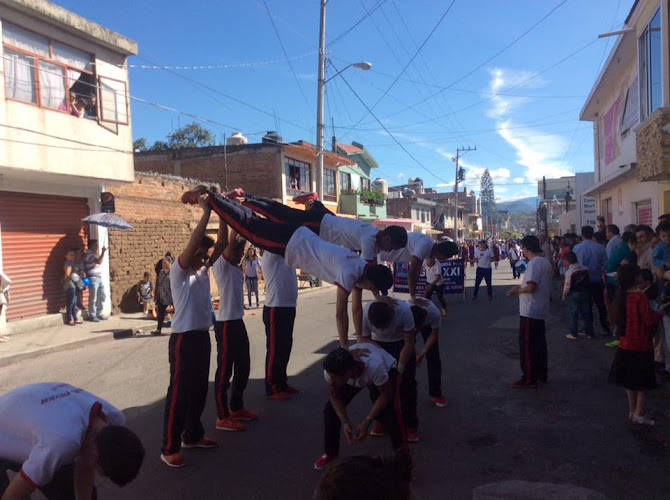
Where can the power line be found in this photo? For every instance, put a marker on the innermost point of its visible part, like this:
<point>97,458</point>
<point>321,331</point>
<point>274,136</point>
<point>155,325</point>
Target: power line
<point>288,60</point>
<point>223,66</point>
<point>346,32</point>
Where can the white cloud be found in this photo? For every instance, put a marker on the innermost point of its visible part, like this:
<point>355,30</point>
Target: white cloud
<point>401,175</point>
<point>519,180</point>
<point>503,79</point>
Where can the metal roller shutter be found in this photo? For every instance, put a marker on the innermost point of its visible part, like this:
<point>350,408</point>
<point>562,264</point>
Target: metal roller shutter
<point>36,232</point>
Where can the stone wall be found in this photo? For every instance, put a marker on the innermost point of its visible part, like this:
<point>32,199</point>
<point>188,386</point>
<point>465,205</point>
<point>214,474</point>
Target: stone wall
<point>653,148</point>
<point>398,207</point>
<point>161,222</point>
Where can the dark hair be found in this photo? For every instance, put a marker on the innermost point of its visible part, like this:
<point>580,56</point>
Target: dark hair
<point>664,216</point>
<point>380,314</point>
<point>600,237</point>
<point>628,237</point>
<point>419,314</point>
<point>587,232</point>
<point>206,242</point>
<point>647,275</point>
<point>120,453</point>
<point>531,243</point>
<point>600,218</point>
<point>168,254</point>
<point>663,226</point>
<point>613,228</point>
<point>338,361</point>
<point>446,249</point>
<point>627,274</point>
<point>379,275</point>
<point>92,243</point>
<point>365,478</point>
<point>397,234</point>
<point>570,257</point>
<point>483,242</point>
<point>645,228</point>
<point>147,273</point>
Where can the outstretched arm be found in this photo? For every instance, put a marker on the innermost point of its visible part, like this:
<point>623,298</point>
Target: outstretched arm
<point>198,233</point>
<point>221,241</point>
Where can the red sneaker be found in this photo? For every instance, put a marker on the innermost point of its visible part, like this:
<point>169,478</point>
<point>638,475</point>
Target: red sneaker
<point>291,390</point>
<point>229,424</point>
<point>304,198</point>
<point>175,460</point>
<point>191,197</point>
<point>412,436</point>
<point>235,193</point>
<point>205,442</point>
<point>440,401</point>
<point>322,461</point>
<point>244,414</point>
<point>280,396</point>
<point>378,430</point>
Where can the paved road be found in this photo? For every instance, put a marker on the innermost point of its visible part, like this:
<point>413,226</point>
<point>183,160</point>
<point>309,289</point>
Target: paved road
<point>572,431</point>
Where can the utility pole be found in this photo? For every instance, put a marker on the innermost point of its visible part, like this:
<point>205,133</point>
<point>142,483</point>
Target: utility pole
<point>319,101</point>
<point>455,160</point>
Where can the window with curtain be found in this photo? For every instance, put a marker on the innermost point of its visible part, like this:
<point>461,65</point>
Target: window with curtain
<point>298,176</point>
<point>345,182</point>
<point>329,192</point>
<point>365,183</point>
<point>49,74</point>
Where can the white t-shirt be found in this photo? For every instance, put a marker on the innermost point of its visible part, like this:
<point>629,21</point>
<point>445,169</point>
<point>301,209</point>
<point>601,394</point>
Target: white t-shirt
<point>281,283</point>
<point>378,362</point>
<point>403,321</point>
<point>433,316</point>
<point>418,245</point>
<point>514,252</point>
<point>332,263</point>
<point>350,233</point>
<point>230,283</point>
<point>484,258</point>
<point>434,271</point>
<point>251,267</point>
<point>42,426</point>
<point>191,298</point>
<point>536,305</point>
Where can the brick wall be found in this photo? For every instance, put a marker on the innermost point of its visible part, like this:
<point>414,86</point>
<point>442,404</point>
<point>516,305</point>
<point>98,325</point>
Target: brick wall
<point>653,148</point>
<point>398,207</point>
<point>255,167</point>
<point>161,222</point>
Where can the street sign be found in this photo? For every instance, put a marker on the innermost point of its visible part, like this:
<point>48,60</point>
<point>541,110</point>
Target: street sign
<point>588,210</point>
<point>453,275</point>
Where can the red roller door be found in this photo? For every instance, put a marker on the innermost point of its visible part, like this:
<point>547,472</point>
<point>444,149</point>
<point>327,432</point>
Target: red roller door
<point>36,232</point>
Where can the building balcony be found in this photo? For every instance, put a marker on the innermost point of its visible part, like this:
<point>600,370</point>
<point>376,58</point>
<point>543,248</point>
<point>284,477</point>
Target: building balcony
<point>352,204</point>
<point>653,147</point>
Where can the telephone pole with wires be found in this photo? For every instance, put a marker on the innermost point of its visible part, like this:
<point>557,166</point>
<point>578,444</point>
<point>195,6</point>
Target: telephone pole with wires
<point>460,176</point>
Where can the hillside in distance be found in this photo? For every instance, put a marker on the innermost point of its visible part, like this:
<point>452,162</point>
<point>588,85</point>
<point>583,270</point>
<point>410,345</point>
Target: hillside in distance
<point>522,206</point>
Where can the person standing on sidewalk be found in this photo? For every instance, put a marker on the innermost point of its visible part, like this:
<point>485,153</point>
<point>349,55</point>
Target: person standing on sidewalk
<point>514,255</point>
<point>232,340</point>
<point>281,297</point>
<point>592,255</point>
<point>427,322</point>
<point>163,294</point>
<point>576,293</point>
<point>533,293</point>
<point>96,288</point>
<point>251,266</point>
<point>190,347</point>
<point>483,256</point>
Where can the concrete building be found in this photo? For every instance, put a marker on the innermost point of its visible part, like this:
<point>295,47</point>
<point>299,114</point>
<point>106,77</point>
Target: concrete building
<point>422,211</point>
<point>270,168</point>
<point>65,137</point>
<point>628,106</point>
<point>468,210</point>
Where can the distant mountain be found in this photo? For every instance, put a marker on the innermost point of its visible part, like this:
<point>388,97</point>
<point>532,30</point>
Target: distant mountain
<point>522,206</point>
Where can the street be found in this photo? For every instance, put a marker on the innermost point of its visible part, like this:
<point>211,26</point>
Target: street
<point>573,431</point>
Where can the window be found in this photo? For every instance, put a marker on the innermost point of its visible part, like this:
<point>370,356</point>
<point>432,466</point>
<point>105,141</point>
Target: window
<point>329,192</point>
<point>643,214</point>
<point>365,183</point>
<point>651,80</point>
<point>345,182</point>
<point>298,176</point>
<point>52,75</point>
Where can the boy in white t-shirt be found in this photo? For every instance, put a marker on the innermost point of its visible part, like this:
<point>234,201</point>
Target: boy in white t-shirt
<point>232,340</point>
<point>57,437</point>
<point>435,282</point>
<point>534,293</point>
<point>427,322</point>
<point>303,249</point>
<point>347,372</point>
<point>483,256</point>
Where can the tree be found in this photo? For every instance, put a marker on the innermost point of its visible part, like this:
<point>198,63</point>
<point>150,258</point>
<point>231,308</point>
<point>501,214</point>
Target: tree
<point>190,136</point>
<point>159,146</point>
<point>140,145</point>
<point>487,194</point>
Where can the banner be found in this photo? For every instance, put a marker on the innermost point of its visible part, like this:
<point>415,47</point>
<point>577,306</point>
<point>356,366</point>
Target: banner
<point>453,275</point>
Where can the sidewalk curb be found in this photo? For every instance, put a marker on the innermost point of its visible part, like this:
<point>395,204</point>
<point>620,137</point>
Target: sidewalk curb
<point>14,358</point>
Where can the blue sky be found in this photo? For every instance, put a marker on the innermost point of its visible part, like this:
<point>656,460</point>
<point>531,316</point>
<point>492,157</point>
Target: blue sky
<point>519,108</point>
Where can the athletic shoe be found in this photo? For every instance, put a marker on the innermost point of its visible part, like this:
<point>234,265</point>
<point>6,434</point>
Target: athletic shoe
<point>291,390</point>
<point>280,396</point>
<point>205,442</point>
<point>228,424</point>
<point>571,336</point>
<point>304,198</point>
<point>378,430</point>
<point>444,312</point>
<point>175,460</point>
<point>614,343</point>
<point>235,193</point>
<point>244,414</point>
<point>412,436</point>
<point>523,384</point>
<point>191,197</point>
<point>643,420</point>
<point>440,401</point>
<point>322,461</point>
<point>102,317</point>
<point>95,319</point>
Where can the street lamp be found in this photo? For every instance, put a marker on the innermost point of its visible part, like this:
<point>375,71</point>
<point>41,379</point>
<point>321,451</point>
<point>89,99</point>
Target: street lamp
<point>364,65</point>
